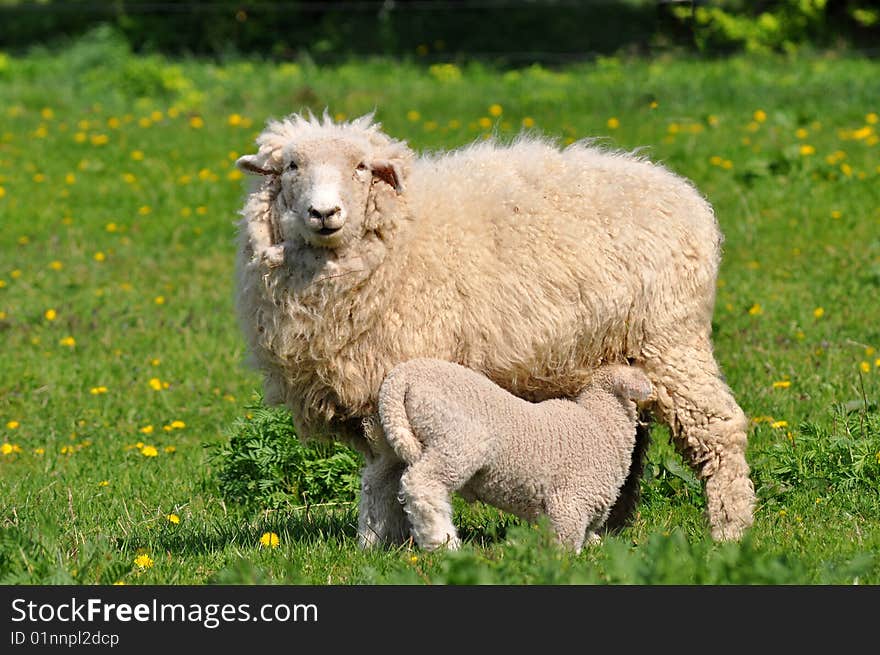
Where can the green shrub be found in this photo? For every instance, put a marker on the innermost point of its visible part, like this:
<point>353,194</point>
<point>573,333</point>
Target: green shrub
<point>265,465</point>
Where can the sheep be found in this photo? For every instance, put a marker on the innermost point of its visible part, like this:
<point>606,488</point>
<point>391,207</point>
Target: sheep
<point>457,431</point>
<point>529,263</point>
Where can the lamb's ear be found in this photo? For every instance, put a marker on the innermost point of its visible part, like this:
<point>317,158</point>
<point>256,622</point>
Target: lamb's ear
<point>630,382</point>
<point>254,164</point>
<point>390,172</point>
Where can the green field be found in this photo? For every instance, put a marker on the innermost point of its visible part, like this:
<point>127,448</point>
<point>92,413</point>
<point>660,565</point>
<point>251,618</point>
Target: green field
<point>122,358</point>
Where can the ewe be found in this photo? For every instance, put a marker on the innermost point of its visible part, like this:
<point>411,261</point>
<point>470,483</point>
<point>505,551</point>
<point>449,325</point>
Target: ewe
<point>530,264</point>
<point>458,431</point>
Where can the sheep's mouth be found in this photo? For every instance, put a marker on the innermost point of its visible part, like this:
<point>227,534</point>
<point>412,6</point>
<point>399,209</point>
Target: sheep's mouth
<point>327,231</point>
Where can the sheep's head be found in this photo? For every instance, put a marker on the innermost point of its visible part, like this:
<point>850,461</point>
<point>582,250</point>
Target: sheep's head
<point>327,171</point>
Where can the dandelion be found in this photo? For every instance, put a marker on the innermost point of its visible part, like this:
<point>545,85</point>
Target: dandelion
<point>413,116</point>
<point>756,310</point>
<point>819,312</point>
<point>485,122</point>
<point>413,559</point>
<point>144,210</point>
<point>806,150</point>
<point>56,265</point>
<point>654,104</point>
<point>782,384</point>
<point>872,118</point>
<point>801,133</point>
<point>147,429</point>
<point>178,425</point>
<point>170,449</point>
<point>173,518</point>
<point>39,451</point>
<point>776,425</point>
<point>760,116</point>
<point>129,178</point>
<point>155,361</point>
<point>113,123</point>
<point>496,110</point>
<point>50,315</point>
<point>104,483</point>
<point>6,448</point>
<point>865,367</point>
<point>137,155</point>
<point>13,425</point>
<point>99,139</point>
<point>149,451</point>
<point>97,390</point>
<point>99,256</point>
<point>234,120</point>
<point>613,123</point>
<point>143,561</point>
<point>269,540</point>
<point>715,160</point>
<point>159,300</point>
<point>196,122</point>
<point>156,384</point>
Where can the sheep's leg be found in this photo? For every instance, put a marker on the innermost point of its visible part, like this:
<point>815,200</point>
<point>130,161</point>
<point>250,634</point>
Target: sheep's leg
<point>380,516</point>
<point>709,428</point>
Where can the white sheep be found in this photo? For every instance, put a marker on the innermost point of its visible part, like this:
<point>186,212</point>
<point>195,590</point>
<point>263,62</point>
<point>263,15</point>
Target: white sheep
<point>457,431</point>
<point>528,263</point>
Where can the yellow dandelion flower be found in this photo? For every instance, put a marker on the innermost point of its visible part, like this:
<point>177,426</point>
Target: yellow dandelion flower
<point>50,315</point>
<point>99,256</point>
<point>159,300</point>
<point>155,384</point>
<point>170,449</point>
<point>779,424</point>
<point>201,210</point>
<point>47,113</point>
<point>865,367</point>
<point>819,312</point>
<point>756,310</point>
<point>6,448</point>
<point>39,451</point>
<point>801,133</point>
<point>97,390</point>
<point>173,518</point>
<point>456,124</point>
<point>782,384</point>
<point>147,429</point>
<point>196,122</point>
<point>654,104</point>
<point>413,559</point>
<point>99,139</point>
<point>234,175</point>
<point>167,428</point>
<point>104,483</point>
<point>715,160</point>
<point>178,425</point>
<point>760,116</point>
<point>727,164</point>
<point>137,155</point>
<point>13,425</point>
<point>806,149</point>
<point>234,120</point>
<point>39,177</point>
<point>2,192</point>
<point>485,122</point>
<point>143,561</point>
<point>846,169</point>
<point>612,123</point>
<point>413,116</point>
<point>144,210</point>
<point>528,121</point>
<point>869,351</point>
<point>269,540</point>
<point>496,110</point>
<point>129,178</point>
<point>872,118</point>
<point>149,451</point>
<point>70,178</point>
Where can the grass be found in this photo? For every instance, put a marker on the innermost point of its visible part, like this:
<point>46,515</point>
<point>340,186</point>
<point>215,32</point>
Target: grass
<point>121,357</point>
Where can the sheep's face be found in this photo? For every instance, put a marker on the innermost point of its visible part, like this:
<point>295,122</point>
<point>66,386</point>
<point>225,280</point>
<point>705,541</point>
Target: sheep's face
<point>326,180</point>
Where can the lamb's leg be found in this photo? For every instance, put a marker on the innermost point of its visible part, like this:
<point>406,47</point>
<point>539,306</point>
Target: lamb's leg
<point>380,516</point>
<point>572,521</point>
<point>709,428</point>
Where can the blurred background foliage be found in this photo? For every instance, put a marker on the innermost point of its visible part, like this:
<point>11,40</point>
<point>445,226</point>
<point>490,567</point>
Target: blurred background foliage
<point>497,31</point>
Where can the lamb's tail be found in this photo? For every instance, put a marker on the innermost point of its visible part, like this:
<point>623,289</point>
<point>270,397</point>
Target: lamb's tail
<point>395,420</point>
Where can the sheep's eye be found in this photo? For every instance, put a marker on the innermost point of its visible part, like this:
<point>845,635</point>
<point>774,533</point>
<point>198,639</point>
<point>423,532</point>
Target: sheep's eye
<point>362,166</point>
<point>292,166</point>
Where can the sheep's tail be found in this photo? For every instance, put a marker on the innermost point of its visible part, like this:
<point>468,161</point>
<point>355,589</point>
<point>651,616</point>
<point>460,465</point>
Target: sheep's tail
<point>395,420</point>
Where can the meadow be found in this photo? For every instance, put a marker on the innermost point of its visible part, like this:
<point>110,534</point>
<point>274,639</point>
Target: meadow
<point>122,374</point>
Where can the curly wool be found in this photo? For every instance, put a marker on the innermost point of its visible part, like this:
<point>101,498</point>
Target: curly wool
<point>457,431</point>
<point>530,264</point>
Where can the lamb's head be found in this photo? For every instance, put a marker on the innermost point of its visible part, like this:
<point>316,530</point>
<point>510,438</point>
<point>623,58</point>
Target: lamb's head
<point>628,383</point>
<point>328,173</point>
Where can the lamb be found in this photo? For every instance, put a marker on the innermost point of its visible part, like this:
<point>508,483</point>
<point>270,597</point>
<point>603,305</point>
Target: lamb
<point>458,431</point>
<point>528,263</point>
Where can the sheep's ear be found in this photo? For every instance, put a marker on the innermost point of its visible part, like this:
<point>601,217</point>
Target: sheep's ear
<point>390,172</point>
<point>254,164</point>
<point>632,383</point>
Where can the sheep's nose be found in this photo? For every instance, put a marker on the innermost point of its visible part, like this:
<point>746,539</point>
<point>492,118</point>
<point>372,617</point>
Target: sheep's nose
<point>323,214</point>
